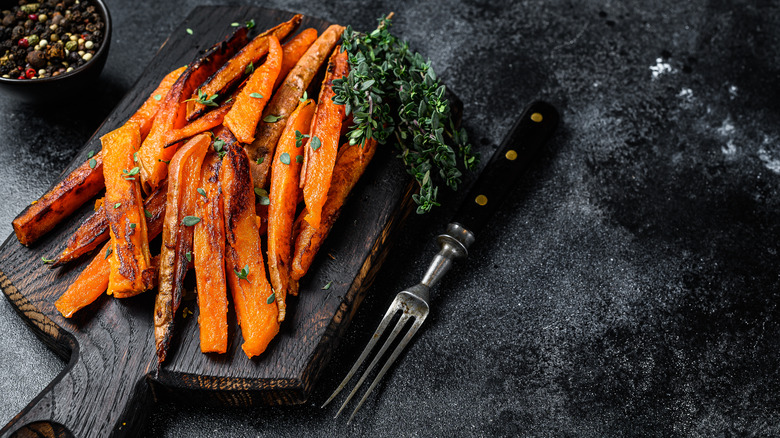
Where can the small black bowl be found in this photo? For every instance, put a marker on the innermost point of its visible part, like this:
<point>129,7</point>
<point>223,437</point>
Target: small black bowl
<point>38,91</point>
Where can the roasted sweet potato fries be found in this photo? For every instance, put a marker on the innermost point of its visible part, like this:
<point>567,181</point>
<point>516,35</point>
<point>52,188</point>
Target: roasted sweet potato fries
<point>224,148</point>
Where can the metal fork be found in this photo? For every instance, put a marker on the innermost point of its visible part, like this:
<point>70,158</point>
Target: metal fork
<point>525,139</point>
<point>413,305</point>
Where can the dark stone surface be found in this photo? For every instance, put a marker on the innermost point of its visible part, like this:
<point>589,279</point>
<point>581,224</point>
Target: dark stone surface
<point>630,286</point>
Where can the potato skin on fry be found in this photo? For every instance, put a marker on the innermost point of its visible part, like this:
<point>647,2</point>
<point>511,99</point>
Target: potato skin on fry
<point>284,102</point>
<point>177,237</point>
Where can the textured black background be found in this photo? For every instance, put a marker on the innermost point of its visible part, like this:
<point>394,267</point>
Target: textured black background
<point>628,288</point>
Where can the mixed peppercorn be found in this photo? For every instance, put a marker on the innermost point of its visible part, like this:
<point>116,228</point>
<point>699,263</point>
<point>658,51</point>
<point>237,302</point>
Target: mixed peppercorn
<point>48,38</point>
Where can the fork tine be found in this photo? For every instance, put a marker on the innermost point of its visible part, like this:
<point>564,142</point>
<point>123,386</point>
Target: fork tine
<point>401,323</point>
<point>398,349</point>
<point>391,311</point>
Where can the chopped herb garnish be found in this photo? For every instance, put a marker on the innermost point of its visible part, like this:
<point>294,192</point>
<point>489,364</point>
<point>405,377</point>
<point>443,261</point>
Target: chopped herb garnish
<point>132,226</point>
<point>92,163</point>
<point>108,252</point>
<point>271,298</point>
<point>299,158</point>
<point>263,195</point>
<point>164,161</point>
<point>147,213</point>
<point>249,68</point>
<point>188,254</point>
<point>189,221</point>
<point>260,160</point>
<point>235,24</point>
<point>285,158</point>
<point>91,154</point>
<point>135,157</point>
<point>157,96</point>
<point>189,31</point>
<point>202,192</point>
<point>327,286</point>
<point>256,95</point>
<point>394,94</point>
<point>131,172</point>
<point>218,146</point>
<point>250,24</point>
<point>299,138</point>
<point>270,118</point>
<point>46,261</point>
<point>117,205</point>
<point>204,99</point>
<point>315,143</point>
<point>242,274</point>
<point>305,96</point>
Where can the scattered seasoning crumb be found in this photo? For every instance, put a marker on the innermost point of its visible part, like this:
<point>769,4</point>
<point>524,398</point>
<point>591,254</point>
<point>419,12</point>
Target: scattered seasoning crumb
<point>271,298</point>
<point>256,95</point>
<point>271,118</point>
<point>46,261</point>
<point>189,31</point>
<point>332,257</point>
<point>92,163</point>
<point>157,96</point>
<point>327,286</point>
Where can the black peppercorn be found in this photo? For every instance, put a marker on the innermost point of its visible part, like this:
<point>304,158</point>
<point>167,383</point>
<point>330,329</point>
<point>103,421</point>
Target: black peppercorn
<point>36,59</point>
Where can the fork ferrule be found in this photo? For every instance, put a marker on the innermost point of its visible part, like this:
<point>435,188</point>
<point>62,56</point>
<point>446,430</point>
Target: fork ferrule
<point>453,244</point>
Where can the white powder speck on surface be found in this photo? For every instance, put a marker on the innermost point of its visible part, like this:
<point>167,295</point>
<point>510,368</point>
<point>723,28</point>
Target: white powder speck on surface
<point>686,93</point>
<point>770,162</point>
<point>726,128</point>
<point>730,148</point>
<point>660,68</point>
<point>733,91</point>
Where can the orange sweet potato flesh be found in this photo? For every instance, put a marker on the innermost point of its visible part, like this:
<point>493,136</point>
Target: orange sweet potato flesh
<point>93,280</point>
<point>94,231</point>
<point>84,182</point>
<point>256,310</point>
<point>61,201</point>
<point>209,258</point>
<point>243,117</point>
<point>210,120</point>
<point>130,259</point>
<point>177,237</point>
<point>284,102</point>
<point>293,51</point>
<point>144,116</point>
<point>234,69</point>
<point>284,196</point>
<point>155,152</point>
<point>327,128</point>
<point>350,165</point>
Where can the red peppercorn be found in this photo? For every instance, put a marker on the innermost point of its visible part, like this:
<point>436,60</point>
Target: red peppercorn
<point>33,17</point>
<point>23,43</point>
<point>30,73</point>
<point>22,76</point>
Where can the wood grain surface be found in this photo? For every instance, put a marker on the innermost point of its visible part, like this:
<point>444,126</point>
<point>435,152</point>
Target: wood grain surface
<point>111,377</point>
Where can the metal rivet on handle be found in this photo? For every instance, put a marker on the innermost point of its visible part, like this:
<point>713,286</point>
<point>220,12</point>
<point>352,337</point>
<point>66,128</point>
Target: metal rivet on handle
<point>511,155</point>
<point>481,200</point>
<point>536,117</point>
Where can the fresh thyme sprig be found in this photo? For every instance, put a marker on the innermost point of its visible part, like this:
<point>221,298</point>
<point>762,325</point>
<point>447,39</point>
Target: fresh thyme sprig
<point>392,90</point>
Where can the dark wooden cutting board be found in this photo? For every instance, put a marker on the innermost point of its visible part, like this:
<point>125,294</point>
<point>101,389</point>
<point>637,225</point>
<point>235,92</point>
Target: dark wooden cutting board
<point>112,377</point>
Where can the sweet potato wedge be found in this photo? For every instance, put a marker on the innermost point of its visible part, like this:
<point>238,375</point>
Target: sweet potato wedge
<point>350,165</point>
<point>94,231</point>
<point>253,296</point>
<point>285,172</point>
<point>130,259</point>
<point>93,280</point>
<point>324,142</point>
<point>234,69</point>
<point>284,101</point>
<point>209,258</point>
<point>85,181</point>
<point>144,117</point>
<point>293,51</point>
<point>155,152</point>
<point>243,117</point>
<point>210,120</point>
<point>61,201</point>
<point>177,236</point>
